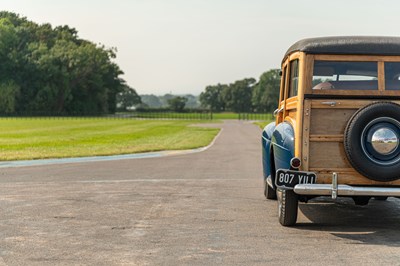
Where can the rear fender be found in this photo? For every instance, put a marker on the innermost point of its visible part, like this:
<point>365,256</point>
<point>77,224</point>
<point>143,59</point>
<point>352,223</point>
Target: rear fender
<point>283,145</point>
<point>266,149</point>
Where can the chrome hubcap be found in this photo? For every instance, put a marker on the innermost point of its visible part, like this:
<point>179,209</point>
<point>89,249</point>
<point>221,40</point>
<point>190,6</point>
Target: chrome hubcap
<point>384,141</point>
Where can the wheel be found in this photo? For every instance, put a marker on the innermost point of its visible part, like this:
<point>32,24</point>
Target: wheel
<point>269,192</point>
<point>361,200</point>
<point>371,141</point>
<point>287,207</point>
<point>382,198</point>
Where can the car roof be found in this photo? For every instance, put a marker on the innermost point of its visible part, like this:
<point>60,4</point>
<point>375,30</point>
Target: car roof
<point>348,45</point>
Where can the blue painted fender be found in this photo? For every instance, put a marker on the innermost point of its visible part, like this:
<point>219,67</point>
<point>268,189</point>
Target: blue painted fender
<point>277,141</point>
<point>266,148</point>
<point>283,145</point>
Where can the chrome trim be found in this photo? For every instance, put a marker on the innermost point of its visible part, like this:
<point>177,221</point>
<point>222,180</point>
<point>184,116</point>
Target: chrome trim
<point>291,163</point>
<point>364,132</point>
<point>384,141</point>
<point>332,104</point>
<point>345,190</point>
<point>277,111</point>
<point>334,186</point>
<point>269,182</point>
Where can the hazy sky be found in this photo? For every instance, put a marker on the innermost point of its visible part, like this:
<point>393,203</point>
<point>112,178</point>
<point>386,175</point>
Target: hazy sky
<point>181,46</point>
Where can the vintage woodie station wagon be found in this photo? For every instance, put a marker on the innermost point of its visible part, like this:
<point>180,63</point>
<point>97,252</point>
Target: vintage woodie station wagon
<point>337,125</point>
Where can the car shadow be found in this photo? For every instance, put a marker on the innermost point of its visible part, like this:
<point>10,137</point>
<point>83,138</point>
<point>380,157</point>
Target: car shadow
<point>374,224</point>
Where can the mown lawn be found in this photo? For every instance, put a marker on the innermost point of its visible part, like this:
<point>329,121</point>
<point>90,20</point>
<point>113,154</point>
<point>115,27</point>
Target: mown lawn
<point>23,139</point>
<point>262,124</point>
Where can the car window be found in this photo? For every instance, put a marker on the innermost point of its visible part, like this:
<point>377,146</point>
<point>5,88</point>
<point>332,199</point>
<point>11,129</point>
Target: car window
<point>338,75</point>
<point>294,78</point>
<point>283,82</point>
<point>392,75</point>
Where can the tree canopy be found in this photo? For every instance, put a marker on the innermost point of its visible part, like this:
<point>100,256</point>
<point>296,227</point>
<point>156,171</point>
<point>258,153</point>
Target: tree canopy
<point>244,95</point>
<point>266,93</point>
<point>177,103</point>
<point>52,70</point>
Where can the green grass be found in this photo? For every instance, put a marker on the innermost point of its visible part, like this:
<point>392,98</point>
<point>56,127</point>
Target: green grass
<point>225,115</point>
<point>262,124</point>
<point>23,139</point>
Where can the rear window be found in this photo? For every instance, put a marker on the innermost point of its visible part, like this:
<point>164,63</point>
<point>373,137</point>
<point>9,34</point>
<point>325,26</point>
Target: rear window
<point>339,75</point>
<point>392,76</point>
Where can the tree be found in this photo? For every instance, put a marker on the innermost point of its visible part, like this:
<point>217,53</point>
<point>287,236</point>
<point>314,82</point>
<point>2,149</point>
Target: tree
<point>127,98</point>
<point>177,103</point>
<point>266,92</point>
<point>212,98</point>
<point>237,96</point>
<point>165,98</point>
<point>151,100</point>
<point>9,92</point>
<point>54,70</point>
<point>192,101</point>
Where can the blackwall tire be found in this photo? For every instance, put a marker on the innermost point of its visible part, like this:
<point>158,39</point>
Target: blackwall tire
<point>359,140</point>
<point>269,192</point>
<point>381,198</point>
<point>361,200</point>
<point>287,207</point>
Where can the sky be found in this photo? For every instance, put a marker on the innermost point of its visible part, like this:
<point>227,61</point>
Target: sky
<point>182,46</point>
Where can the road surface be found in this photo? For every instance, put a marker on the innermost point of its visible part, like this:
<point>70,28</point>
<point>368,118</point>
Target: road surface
<point>205,208</point>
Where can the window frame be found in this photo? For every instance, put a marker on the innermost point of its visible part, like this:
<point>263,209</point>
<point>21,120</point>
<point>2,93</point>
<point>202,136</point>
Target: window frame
<point>381,92</point>
<point>386,81</point>
<point>291,78</point>
<point>340,82</point>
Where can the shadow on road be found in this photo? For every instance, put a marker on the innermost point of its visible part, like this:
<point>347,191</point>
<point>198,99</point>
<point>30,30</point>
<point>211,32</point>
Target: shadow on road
<point>374,224</point>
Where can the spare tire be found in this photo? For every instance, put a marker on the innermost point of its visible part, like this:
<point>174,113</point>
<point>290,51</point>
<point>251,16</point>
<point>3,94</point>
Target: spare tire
<point>371,141</point>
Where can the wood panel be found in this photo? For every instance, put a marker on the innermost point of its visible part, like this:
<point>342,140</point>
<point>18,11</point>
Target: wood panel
<point>327,155</point>
<point>329,121</point>
<point>350,178</point>
<point>291,103</point>
<point>323,142</point>
<point>340,104</point>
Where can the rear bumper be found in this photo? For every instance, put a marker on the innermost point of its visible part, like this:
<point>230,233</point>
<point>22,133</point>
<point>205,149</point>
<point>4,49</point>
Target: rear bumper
<point>336,190</point>
<point>344,190</point>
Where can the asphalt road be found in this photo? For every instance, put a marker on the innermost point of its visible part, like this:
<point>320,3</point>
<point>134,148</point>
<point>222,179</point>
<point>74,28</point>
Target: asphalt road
<point>199,209</point>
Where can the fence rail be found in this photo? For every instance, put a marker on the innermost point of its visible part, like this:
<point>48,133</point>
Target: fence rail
<point>143,115</point>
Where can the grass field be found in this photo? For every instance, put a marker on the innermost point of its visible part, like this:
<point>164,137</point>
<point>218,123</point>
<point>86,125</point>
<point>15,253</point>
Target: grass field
<point>262,124</point>
<point>23,139</point>
<point>225,115</point>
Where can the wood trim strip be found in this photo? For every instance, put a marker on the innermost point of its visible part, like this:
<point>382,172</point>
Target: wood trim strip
<point>381,76</point>
<point>331,170</point>
<point>306,135</point>
<point>341,104</point>
<point>387,58</point>
<point>326,138</point>
<point>353,178</point>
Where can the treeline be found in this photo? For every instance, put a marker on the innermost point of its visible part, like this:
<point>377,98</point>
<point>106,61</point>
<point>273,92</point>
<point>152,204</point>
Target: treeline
<point>164,101</point>
<point>242,96</point>
<point>245,95</point>
<point>46,69</point>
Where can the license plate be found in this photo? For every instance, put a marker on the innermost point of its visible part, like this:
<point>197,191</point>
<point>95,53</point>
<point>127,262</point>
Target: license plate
<point>289,178</point>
